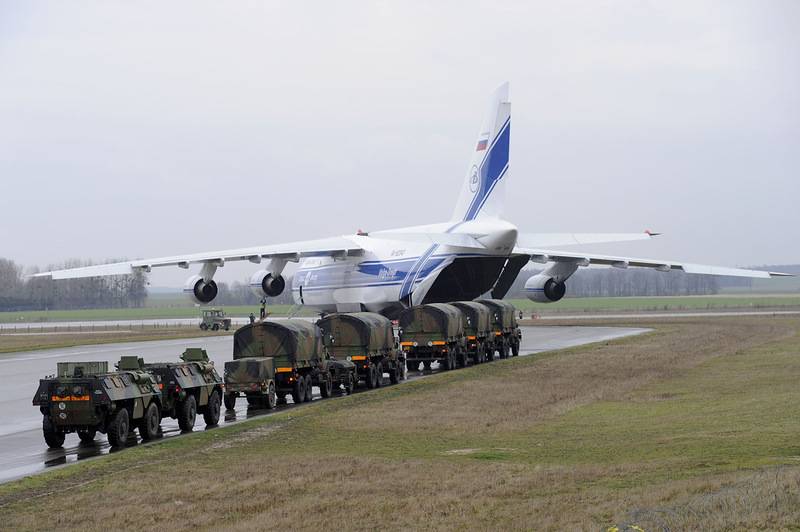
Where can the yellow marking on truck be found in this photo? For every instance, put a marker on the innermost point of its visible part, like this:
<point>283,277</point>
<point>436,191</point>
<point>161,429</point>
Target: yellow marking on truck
<point>438,342</point>
<point>407,343</point>
<point>284,370</point>
<point>470,337</point>
<point>358,357</point>
<point>70,398</point>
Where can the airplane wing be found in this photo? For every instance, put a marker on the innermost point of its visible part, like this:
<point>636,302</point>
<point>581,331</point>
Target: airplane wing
<point>292,251</point>
<point>535,240</point>
<point>585,259</point>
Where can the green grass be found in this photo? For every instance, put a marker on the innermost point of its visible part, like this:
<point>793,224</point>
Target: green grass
<point>664,303</point>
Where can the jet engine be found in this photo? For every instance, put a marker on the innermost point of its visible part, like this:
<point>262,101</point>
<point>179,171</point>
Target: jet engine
<point>199,290</point>
<point>544,289</point>
<point>264,283</point>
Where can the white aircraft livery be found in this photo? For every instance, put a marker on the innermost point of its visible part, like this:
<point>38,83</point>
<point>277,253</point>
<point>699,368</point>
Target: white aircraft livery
<point>476,252</point>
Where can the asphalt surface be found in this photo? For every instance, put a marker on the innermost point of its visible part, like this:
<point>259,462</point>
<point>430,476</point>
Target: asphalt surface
<point>22,448</point>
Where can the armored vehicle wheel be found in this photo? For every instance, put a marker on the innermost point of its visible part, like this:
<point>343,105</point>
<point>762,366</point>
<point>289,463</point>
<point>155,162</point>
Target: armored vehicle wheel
<point>299,391</point>
<point>515,348</point>
<point>326,387</point>
<point>119,428</point>
<point>350,383</point>
<point>395,373</point>
<point>371,379</point>
<point>187,413</point>
<point>211,413</point>
<point>230,401</point>
<point>148,425</point>
<point>271,400</point>
<point>87,436</point>
<point>215,327</point>
<point>203,327</point>
<point>52,436</point>
<point>309,389</point>
<point>379,375</point>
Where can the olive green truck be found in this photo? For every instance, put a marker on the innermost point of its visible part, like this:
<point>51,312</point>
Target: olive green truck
<point>432,333</point>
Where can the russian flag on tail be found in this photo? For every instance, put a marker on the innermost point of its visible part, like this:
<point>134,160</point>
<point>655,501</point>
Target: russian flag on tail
<point>483,143</point>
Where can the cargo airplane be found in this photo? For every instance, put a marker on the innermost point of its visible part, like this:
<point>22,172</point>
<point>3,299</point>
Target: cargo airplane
<point>475,252</point>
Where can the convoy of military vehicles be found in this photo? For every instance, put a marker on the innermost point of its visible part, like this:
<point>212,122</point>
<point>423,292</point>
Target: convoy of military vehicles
<point>271,359</point>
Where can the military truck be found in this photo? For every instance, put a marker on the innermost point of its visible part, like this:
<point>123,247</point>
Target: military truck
<point>366,339</point>
<point>87,398</point>
<point>215,320</point>
<point>189,387</point>
<point>431,333</point>
<point>507,334</point>
<point>477,329</point>
<point>273,359</point>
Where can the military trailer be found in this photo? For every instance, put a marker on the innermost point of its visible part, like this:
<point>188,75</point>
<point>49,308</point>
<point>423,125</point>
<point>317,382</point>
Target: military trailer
<point>477,329</point>
<point>189,387</point>
<point>507,335</point>
<point>273,359</point>
<point>366,339</point>
<point>86,398</point>
<point>215,320</point>
<point>431,333</point>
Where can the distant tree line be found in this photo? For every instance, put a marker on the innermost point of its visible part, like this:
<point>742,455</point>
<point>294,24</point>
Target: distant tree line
<point>20,293</point>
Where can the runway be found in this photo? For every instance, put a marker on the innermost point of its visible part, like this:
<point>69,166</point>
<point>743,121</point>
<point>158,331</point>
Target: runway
<point>22,448</point>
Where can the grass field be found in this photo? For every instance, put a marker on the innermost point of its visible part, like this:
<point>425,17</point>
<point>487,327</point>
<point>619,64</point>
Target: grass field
<point>693,426</point>
<point>572,305</point>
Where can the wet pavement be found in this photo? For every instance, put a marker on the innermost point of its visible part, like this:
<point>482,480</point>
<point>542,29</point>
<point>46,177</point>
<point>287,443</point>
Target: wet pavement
<point>22,448</point>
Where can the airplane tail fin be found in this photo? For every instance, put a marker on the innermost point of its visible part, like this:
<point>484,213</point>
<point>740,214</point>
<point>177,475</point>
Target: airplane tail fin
<point>483,192</point>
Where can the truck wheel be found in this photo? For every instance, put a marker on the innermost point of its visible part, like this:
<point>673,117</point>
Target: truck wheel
<point>504,350</point>
<point>515,348</point>
<point>462,358</point>
<point>148,425</point>
<point>426,365</point>
<point>299,391</point>
<point>411,365</point>
<point>445,362</point>
<point>326,387</point>
<point>350,383</point>
<point>211,413</point>
<point>309,389</point>
<point>87,436</point>
<point>187,412</point>
<point>395,373</point>
<point>271,399</point>
<point>227,327</point>
<point>379,375</point>
<point>52,436</point>
<point>119,428</point>
<point>215,327</point>
<point>230,401</point>
<point>203,327</point>
<point>281,400</point>
<point>371,379</point>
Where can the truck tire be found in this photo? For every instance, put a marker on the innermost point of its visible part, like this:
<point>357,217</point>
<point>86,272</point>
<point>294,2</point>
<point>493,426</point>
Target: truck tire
<point>87,436</point>
<point>148,425</point>
<point>462,358</point>
<point>52,436</point>
<point>395,373</point>
<point>299,391</point>
<point>215,327</point>
<point>326,386</point>
<point>370,378</point>
<point>271,399</point>
<point>445,362</point>
<point>350,383</point>
<point>489,353</point>
<point>281,400</point>
<point>412,365</point>
<point>119,428</point>
<point>309,389</point>
<point>379,375</point>
<point>504,350</point>
<point>227,327</point>
<point>230,401</point>
<point>203,327</point>
<point>426,365</point>
<point>515,348</point>
<point>211,413</point>
<point>187,413</point>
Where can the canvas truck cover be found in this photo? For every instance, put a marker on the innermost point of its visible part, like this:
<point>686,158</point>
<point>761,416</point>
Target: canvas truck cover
<point>503,313</point>
<point>435,318</point>
<point>477,317</point>
<point>295,339</point>
<point>361,331</point>
<point>249,370</point>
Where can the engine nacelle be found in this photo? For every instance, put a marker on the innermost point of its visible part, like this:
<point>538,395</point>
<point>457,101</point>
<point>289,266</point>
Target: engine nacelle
<point>263,283</point>
<point>200,291</point>
<point>544,289</point>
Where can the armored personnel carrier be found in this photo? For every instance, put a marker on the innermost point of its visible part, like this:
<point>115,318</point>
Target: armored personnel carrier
<point>477,329</point>
<point>189,387</point>
<point>273,359</point>
<point>367,340</point>
<point>431,333</point>
<point>86,398</point>
<point>507,334</point>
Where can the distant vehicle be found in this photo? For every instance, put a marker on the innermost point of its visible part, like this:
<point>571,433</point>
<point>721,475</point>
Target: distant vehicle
<point>507,334</point>
<point>189,387</point>
<point>215,320</point>
<point>433,333</point>
<point>86,398</point>
<point>478,330</point>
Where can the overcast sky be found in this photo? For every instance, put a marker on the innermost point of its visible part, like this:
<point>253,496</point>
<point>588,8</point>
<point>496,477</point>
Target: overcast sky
<point>134,129</point>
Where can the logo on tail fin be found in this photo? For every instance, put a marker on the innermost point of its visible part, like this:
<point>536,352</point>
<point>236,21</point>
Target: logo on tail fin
<point>474,180</point>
